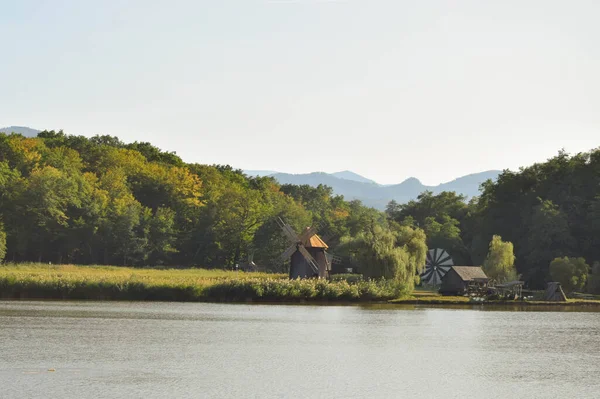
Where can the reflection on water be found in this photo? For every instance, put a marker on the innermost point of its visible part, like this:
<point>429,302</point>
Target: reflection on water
<point>157,350</point>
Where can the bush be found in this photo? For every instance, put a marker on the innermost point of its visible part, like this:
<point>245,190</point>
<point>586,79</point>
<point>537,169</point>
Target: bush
<point>347,277</point>
<point>571,273</point>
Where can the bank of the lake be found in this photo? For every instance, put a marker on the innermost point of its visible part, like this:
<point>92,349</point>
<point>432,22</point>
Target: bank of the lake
<point>37,281</point>
<point>464,301</point>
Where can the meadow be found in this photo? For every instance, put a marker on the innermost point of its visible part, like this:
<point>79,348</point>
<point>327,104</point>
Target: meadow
<point>39,281</point>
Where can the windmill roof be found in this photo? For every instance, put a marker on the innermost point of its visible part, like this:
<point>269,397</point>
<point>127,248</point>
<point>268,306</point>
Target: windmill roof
<point>314,242</point>
<point>469,273</point>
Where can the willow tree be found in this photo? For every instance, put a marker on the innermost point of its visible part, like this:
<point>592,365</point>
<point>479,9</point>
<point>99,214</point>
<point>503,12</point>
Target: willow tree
<point>499,264</point>
<point>572,273</point>
<point>383,253</point>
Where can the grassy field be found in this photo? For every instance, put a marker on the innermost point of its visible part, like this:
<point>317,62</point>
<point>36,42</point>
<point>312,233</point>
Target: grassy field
<point>38,281</point>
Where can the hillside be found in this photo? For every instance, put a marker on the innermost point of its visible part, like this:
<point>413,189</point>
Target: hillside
<point>25,131</point>
<point>378,196</point>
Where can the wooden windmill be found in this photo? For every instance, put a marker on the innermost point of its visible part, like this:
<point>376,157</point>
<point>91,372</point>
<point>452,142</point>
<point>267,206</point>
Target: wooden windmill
<point>307,253</point>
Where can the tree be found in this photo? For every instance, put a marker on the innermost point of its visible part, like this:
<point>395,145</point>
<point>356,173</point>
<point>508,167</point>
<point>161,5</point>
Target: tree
<point>594,279</point>
<point>441,217</point>
<point>381,253</point>
<point>549,238</point>
<point>2,242</point>
<point>570,272</point>
<point>499,264</point>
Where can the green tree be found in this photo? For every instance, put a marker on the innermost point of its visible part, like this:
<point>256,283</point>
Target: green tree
<point>549,238</point>
<point>162,236</point>
<point>594,279</point>
<point>440,216</point>
<point>570,272</point>
<point>500,261</point>
<point>381,253</point>
<point>2,242</point>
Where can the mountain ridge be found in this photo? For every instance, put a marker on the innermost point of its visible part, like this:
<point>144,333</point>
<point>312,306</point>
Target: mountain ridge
<point>378,196</point>
<point>24,130</point>
<point>352,185</point>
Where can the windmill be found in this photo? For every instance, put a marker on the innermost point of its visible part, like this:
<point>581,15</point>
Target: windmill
<point>436,266</point>
<point>307,252</point>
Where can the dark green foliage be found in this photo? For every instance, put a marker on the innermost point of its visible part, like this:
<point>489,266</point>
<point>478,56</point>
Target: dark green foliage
<point>594,279</point>
<point>441,216</point>
<point>547,210</point>
<point>72,199</point>
<point>570,272</point>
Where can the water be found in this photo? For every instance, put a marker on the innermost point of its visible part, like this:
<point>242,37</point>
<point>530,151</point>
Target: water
<point>173,350</point>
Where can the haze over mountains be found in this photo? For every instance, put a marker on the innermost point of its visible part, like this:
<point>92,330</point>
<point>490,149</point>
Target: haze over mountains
<point>355,186</point>
<point>352,185</point>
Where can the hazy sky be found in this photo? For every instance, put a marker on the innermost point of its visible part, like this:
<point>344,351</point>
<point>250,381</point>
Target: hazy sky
<point>388,89</point>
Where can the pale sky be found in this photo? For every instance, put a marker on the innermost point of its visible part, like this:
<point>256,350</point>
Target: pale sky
<point>388,89</point>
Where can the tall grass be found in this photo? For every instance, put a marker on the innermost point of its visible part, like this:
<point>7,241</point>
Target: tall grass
<point>121,283</point>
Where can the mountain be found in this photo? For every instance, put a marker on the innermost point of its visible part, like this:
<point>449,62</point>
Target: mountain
<point>352,185</point>
<point>348,175</point>
<point>260,173</point>
<point>25,131</point>
<point>378,196</point>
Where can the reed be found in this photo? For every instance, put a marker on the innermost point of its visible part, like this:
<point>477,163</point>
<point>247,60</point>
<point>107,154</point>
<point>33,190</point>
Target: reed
<point>37,281</point>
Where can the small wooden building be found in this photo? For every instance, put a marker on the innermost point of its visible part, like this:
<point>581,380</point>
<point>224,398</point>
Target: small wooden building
<point>461,280</point>
<point>300,267</point>
<point>555,293</point>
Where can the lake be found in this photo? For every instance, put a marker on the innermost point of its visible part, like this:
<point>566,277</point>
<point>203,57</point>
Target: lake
<point>197,350</point>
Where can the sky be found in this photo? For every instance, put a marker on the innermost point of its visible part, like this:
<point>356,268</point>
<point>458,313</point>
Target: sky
<point>388,89</point>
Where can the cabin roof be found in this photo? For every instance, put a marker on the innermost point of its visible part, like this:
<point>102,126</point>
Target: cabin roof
<point>470,273</point>
<point>314,242</point>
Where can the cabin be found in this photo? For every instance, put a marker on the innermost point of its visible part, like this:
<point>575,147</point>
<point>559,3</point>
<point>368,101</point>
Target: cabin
<point>300,266</point>
<point>461,280</point>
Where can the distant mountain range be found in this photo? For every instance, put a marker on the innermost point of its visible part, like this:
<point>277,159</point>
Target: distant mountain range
<point>354,186</point>
<point>25,131</point>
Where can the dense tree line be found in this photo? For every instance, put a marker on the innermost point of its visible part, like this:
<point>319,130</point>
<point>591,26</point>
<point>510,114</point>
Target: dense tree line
<point>98,200</point>
<point>547,211</point>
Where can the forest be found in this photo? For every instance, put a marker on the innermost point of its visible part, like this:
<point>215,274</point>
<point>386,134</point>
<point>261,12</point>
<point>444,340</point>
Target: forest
<point>98,200</point>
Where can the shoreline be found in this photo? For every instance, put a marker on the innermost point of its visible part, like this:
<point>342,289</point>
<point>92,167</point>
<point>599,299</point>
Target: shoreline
<point>456,303</point>
<point>464,301</point>
<point>108,283</point>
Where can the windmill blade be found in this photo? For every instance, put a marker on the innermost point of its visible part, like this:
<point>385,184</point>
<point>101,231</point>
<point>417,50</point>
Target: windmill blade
<point>311,261</point>
<point>288,231</point>
<point>288,252</point>
<point>437,265</point>
<point>311,231</point>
